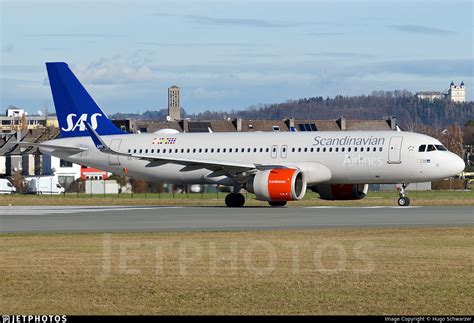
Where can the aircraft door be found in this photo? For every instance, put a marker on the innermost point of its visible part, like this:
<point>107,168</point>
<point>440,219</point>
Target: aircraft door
<point>395,150</point>
<point>274,151</point>
<point>114,145</point>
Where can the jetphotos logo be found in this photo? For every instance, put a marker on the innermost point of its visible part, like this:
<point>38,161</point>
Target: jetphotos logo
<point>74,121</point>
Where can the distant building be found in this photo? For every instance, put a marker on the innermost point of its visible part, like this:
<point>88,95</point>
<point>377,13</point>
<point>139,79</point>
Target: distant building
<point>173,103</point>
<point>15,112</point>
<point>18,119</point>
<point>430,95</point>
<point>457,93</point>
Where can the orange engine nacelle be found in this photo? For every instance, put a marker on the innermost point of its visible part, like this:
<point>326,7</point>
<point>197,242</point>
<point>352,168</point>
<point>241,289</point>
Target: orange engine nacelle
<point>278,184</point>
<point>342,191</point>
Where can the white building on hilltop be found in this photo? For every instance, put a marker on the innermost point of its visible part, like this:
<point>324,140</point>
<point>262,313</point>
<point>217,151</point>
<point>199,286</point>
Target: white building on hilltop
<point>457,93</point>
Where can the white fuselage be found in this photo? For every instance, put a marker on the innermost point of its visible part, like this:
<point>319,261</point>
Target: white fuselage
<point>351,156</point>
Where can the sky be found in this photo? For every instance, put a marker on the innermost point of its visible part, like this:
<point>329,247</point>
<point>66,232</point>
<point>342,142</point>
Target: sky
<point>232,54</point>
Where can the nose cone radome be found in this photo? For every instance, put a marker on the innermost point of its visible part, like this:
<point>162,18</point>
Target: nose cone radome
<point>457,165</point>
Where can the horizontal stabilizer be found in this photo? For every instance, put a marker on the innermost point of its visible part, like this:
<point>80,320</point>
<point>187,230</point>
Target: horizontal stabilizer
<point>66,148</point>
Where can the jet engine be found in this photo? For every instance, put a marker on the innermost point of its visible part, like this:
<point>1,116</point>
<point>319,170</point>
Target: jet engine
<point>341,191</point>
<point>278,184</point>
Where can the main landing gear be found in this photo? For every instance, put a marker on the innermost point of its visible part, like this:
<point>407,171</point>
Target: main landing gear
<point>277,203</point>
<point>234,200</point>
<point>403,200</point>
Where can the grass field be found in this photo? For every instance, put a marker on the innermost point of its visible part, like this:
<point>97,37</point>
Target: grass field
<point>374,198</point>
<point>357,271</point>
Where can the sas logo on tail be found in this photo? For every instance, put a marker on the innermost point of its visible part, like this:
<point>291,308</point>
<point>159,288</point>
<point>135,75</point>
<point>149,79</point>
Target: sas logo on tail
<point>73,122</point>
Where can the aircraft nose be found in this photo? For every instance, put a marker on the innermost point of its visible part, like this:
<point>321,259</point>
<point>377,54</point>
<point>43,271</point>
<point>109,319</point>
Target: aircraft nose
<point>458,164</point>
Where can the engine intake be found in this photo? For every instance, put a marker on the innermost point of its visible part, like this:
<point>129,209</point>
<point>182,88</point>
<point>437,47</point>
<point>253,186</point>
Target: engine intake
<point>278,184</point>
<point>341,191</point>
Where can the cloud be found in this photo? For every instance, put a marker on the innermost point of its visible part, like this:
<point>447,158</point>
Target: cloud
<point>21,69</point>
<point>425,30</point>
<point>104,72</point>
<point>340,55</point>
<point>75,35</point>
<point>203,93</point>
<point>326,34</point>
<point>196,44</point>
<point>246,22</point>
<point>431,67</point>
<point>238,22</point>
<point>8,48</point>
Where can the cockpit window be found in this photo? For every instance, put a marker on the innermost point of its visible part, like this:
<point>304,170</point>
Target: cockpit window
<point>422,148</point>
<point>431,148</point>
<point>441,148</point>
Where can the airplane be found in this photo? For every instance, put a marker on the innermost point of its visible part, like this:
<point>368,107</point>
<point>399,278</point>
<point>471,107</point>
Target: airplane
<point>276,166</point>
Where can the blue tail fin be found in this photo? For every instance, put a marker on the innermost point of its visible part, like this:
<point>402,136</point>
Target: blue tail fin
<point>74,106</point>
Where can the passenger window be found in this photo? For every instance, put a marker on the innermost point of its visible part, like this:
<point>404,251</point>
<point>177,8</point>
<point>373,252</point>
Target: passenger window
<point>255,150</point>
<point>324,149</point>
<point>212,150</point>
<point>267,150</point>
<point>176,151</point>
<point>349,149</point>
<point>230,150</point>
<point>284,149</point>
<point>206,150</point>
<point>274,149</point>
<point>218,150</point>
<point>129,151</point>
<point>330,149</point>
<point>223,150</point>
<point>431,148</point>
<point>261,150</point>
<point>164,151</point>
<point>355,149</point>
<point>306,150</point>
<point>292,150</point>
<point>299,150</point>
<point>200,150</point>
<point>182,150</point>
<point>312,149</point>
<point>194,150</point>
<point>188,150</point>
<point>337,149</point>
<point>380,149</point>
<point>134,151</point>
<point>157,151</point>
<point>242,150</point>
<point>318,149</point>
<point>441,148</point>
<point>343,148</point>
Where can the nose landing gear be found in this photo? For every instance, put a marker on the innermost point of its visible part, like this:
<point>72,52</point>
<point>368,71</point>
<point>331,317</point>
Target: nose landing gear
<point>403,200</point>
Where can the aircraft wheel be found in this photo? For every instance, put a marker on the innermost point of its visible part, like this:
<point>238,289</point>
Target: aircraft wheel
<point>277,203</point>
<point>234,200</point>
<point>403,201</point>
